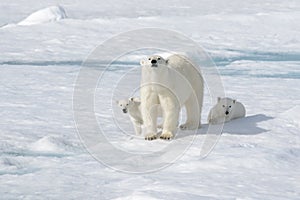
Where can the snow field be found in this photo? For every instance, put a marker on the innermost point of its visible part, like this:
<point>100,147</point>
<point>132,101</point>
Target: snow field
<point>256,48</point>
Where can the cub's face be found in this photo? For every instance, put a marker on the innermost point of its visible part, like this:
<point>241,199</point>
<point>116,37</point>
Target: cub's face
<point>126,104</point>
<point>154,61</point>
<point>226,105</point>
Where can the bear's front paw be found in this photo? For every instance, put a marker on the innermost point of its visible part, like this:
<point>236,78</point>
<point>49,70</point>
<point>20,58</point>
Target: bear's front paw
<point>166,135</point>
<point>189,126</point>
<point>151,136</point>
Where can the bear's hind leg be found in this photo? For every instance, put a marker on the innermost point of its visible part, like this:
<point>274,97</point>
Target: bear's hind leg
<point>193,113</point>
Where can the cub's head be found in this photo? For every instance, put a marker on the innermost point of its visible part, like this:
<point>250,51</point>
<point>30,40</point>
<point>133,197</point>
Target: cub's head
<point>126,104</point>
<point>226,105</point>
<point>154,61</point>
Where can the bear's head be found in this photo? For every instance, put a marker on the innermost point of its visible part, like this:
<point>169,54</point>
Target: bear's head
<point>226,105</point>
<point>154,61</point>
<point>126,104</point>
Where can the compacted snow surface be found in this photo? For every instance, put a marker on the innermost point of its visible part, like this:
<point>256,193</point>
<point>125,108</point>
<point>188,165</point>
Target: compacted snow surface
<point>255,46</point>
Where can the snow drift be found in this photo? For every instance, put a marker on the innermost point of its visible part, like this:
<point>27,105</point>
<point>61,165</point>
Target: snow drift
<point>49,14</point>
<point>51,145</point>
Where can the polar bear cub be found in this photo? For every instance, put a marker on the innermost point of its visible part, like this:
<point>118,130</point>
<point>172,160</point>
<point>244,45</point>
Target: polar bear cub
<point>225,110</point>
<point>132,106</point>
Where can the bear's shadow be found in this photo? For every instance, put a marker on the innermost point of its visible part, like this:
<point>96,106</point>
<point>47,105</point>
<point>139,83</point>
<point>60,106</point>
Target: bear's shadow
<point>242,126</point>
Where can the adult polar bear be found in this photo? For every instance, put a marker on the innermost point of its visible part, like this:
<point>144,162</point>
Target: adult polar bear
<point>173,82</point>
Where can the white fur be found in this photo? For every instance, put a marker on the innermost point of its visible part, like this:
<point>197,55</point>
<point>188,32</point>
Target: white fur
<point>172,83</point>
<point>225,110</point>
<point>132,106</point>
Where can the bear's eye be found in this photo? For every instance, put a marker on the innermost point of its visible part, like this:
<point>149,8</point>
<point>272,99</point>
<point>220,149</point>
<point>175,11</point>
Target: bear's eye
<point>121,105</point>
<point>223,106</point>
<point>126,104</point>
<point>229,106</point>
<point>149,58</point>
<point>158,58</point>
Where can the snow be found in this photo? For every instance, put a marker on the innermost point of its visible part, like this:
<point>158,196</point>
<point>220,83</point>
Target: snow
<point>255,46</point>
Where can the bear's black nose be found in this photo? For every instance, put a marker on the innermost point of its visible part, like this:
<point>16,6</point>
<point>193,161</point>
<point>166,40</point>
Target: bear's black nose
<point>226,113</point>
<point>153,61</point>
<point>124,110</point>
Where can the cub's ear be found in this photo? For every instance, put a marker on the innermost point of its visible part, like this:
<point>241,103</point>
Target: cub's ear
<point>167,61</point>
<point>219,99</point>
<point>234,101</point>
<point>142,62</point>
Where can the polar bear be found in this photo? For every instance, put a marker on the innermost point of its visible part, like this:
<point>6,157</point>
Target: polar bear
<point>225,110</point>
<point>173,82</point>
<point>132,106</point>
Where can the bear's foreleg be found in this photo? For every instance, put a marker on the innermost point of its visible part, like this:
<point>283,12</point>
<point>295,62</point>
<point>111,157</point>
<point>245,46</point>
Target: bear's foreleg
<point>149,115</point>
<point>137,127</point>
<point>171,109</point>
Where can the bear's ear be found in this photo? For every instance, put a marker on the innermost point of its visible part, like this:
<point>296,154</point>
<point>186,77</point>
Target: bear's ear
<point>219,99</point>
<point>234,101</point>
<point>167,61</point>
